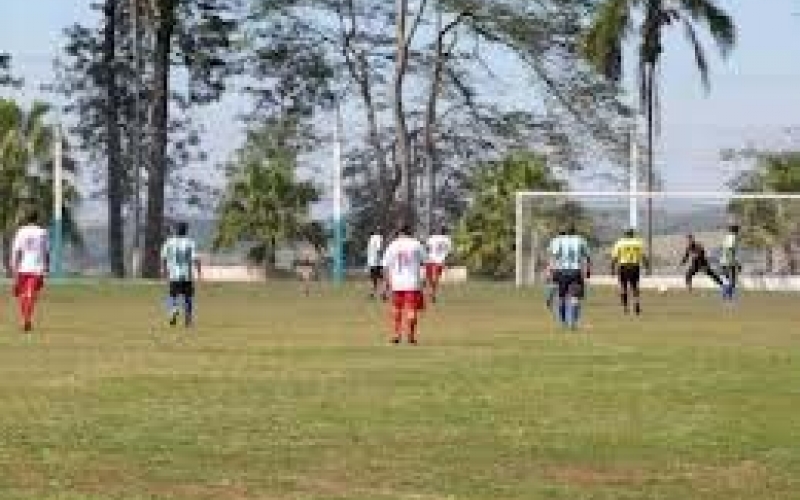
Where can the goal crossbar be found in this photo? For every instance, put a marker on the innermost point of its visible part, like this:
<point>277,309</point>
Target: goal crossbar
<point>688,195</point>
<point>632,196</point>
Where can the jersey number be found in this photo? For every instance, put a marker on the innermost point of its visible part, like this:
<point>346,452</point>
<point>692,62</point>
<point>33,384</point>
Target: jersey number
<point>404,260</point>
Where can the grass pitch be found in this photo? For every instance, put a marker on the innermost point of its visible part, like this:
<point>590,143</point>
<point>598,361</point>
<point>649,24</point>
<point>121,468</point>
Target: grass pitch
<point>278,396</point>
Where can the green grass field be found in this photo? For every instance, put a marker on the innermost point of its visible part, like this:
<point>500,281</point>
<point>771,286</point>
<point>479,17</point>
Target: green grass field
<point>275,396</point>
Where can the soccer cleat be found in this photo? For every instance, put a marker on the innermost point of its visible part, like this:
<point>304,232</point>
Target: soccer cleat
<point>396,340</point>
<point>27,327</point>
<point>412,340</point>
<point>173,319</point>
<point>637,309</point>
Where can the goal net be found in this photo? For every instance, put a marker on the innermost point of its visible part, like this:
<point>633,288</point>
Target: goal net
<point>769,241</point>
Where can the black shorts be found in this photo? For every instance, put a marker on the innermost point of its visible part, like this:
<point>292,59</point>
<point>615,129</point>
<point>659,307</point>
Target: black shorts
<point>183,287</point>
<point>376,272</point>
<point>569,282</point>
<point>630,275</point>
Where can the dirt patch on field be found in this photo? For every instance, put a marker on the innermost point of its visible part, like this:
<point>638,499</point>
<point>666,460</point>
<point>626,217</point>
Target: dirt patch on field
<point>739,476</point>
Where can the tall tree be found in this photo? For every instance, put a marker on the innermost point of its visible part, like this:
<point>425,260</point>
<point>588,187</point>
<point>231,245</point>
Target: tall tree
<point>448,89</point>
<point>195,37</point>
<point>115,177</point>
<point>203,34</point>
<point>615,20</point>
<point>26,171</point>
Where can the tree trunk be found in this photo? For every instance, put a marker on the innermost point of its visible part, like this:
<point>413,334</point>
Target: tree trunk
<point>429,130</point>
<point>650,98</point>
<point>158,162</point>
<point>403,159</point>
<point>114,186</point>
<point>365,86</point>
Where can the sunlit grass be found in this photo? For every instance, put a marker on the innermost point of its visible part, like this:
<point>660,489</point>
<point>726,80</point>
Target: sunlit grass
<point>275,396</point>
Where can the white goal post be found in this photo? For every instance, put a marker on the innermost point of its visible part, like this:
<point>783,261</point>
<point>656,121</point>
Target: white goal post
<point>617,211</point>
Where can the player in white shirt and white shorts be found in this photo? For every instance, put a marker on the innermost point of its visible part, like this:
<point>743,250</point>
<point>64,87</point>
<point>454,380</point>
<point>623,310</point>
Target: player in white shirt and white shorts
<point>439,248</point>
<point>374,247</point>
<point>30,260</point>
<point>402,265</point>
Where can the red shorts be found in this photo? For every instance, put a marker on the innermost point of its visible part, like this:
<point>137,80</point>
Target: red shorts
<point>413,300</point>
<point>433,271</point>
<point>28,282</point>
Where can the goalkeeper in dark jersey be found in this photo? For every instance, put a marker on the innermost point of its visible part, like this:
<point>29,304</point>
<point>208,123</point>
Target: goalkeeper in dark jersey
<point>697,259</point>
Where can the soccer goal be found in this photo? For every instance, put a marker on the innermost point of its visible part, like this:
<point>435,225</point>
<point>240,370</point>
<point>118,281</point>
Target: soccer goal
<point>769,240</point>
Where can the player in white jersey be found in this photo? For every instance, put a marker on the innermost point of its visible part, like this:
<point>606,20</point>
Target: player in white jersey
<point>374,247</point>
<point>30,262</point>
<point>570,265</point>
<point>402,264</point>
<point>439,248</point>
<point>179,260</point>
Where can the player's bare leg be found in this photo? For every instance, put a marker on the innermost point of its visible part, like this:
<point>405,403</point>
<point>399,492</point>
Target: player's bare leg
<point>434,286</point>
<point>27,301</point>
<point>412,318</point>
<point>397,323</point>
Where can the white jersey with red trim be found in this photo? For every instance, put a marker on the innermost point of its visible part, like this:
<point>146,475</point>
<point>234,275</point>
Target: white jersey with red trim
<point>403,260</point>
<point>31,247</point>
<point>439,248</point>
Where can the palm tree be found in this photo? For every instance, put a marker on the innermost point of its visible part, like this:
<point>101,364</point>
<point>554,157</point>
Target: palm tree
<point>616,20</point>
<point>265,205</point>
<point>26,171</point>
<point>485,235</point>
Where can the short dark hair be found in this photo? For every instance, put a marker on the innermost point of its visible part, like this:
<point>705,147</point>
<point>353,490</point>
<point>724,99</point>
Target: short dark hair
<point>32,216</point>
<point>182,228</point>
<point>404,228</point>
<point>571,229</point>
<point>630,233</point>
<point>734,228</point>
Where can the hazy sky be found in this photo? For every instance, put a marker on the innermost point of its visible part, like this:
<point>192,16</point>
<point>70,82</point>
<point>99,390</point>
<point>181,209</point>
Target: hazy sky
<point>755,95</point>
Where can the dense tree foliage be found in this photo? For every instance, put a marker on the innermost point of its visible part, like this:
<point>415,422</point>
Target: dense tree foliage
<point>265,205</point>
<point>26,171</point>
<point>420,88</point>
<point>771,225</point>
<point>485,236</point>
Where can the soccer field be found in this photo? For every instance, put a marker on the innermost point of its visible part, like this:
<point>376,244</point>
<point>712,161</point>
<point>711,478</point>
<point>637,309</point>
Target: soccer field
<point>278,396</point>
